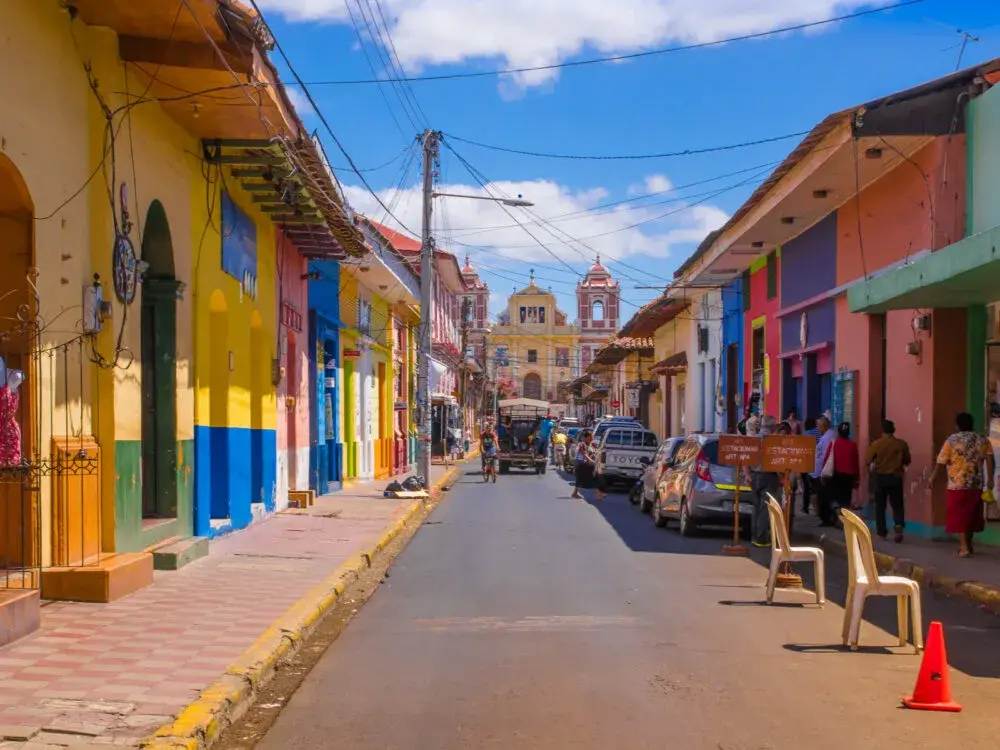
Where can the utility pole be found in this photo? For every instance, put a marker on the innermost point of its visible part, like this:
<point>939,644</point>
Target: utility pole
<point>430,139</point>
<point>463,370</point>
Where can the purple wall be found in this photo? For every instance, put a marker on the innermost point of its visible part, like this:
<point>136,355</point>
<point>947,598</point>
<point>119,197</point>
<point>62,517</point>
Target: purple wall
<point>809,263</point>
<point>808,268</point>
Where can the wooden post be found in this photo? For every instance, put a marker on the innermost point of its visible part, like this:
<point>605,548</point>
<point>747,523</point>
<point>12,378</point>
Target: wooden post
<point>738,451</point>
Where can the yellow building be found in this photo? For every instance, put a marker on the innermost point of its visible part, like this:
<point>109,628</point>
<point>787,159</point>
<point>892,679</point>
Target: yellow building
<point>533,347</point>
<point>144,338</point>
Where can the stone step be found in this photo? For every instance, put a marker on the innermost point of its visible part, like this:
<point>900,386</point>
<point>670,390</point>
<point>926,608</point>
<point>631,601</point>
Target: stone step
<point>178,552</point>
<point>110,578</point>
<point>20,614</point>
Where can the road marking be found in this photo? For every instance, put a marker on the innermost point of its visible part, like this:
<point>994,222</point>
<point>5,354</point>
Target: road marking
<point>524,624</point>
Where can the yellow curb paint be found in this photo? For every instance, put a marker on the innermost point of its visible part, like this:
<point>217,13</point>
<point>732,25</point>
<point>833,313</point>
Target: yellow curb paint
<point>199,724</point>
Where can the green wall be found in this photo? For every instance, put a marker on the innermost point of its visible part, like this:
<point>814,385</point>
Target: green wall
<point>129,534</point>
<point>983,145</point>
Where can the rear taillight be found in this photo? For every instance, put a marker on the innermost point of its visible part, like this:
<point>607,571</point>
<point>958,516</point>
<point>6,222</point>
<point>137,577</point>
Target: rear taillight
<point>702,468</point>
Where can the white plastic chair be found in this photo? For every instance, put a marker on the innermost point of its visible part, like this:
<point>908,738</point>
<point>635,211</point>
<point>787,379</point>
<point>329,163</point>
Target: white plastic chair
<point>864,581</point>
<point>782,551</point>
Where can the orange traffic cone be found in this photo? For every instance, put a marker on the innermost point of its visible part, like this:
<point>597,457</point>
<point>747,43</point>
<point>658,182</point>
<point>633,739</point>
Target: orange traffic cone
<point>933,689</point>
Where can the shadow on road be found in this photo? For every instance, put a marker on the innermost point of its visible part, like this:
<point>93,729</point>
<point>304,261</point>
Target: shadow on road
<point>973,634</point>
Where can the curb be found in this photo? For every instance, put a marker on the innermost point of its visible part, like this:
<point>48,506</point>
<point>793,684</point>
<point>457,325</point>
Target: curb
<point>202,722</point>
<point>981,594</point>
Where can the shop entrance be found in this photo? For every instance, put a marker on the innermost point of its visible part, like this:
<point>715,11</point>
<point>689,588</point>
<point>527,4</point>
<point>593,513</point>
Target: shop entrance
<point>159,369</point>
<point>20,523</point>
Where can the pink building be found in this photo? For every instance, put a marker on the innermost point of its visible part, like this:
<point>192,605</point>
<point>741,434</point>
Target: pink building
<point>293,360</point>
<point>598,299</point>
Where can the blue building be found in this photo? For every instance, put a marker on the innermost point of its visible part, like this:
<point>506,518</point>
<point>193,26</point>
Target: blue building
<point>732,352</point>
<point>326,461</point>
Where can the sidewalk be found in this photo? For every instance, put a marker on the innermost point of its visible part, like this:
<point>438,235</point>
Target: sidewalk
<point>934,564</point>
<point>97,675</point>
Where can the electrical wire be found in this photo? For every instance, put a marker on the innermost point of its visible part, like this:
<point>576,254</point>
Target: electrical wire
<point>628,56</point>
<point>630,157</point>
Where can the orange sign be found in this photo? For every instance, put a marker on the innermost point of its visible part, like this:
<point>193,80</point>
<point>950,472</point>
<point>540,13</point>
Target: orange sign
<point>784,453</point>
<point>739,450</point>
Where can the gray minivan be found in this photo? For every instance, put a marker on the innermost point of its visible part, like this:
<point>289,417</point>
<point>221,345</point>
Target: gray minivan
<point>698,491</point>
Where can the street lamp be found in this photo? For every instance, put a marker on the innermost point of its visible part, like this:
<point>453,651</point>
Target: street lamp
<point>430,140</point>
<point>513,202</point>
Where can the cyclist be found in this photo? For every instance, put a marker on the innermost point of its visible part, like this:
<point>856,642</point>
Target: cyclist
<point>487,444</point>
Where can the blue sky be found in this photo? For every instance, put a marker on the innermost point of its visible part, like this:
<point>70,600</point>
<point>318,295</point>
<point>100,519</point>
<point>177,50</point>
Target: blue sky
<point>721,95</point>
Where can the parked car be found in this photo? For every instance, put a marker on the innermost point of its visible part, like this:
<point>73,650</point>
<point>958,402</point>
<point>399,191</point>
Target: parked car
<point>621,452</point>
<point>697,491</point>
<point>644,492</point>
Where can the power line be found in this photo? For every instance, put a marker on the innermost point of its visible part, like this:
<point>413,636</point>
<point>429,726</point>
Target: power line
<point>628,56</point>
<point>629,157</point>
<point>323,120</point>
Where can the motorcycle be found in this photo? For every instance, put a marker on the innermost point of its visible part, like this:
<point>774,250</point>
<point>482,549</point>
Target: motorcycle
<point>635,494</point>
<point>490,469</point>
<point>560,456</point>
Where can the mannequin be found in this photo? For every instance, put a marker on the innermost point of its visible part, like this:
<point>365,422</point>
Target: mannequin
<point>10,430</point>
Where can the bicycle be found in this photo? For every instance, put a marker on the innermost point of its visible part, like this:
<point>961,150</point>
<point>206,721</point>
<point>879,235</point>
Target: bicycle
<point>490,469</point>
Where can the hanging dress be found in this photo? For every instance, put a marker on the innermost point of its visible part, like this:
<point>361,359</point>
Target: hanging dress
<point>10,430</point>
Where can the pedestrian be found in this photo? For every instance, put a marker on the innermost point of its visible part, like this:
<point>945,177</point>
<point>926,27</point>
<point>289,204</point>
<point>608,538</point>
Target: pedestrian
<point>843,467</point>
<point>821,483</point>
<point>793,421</point>
<point>542,437</point>
<point>962,456</point>
<point>585,464</point>
<point>888,458</point>
<point>761,483</point>
<point>808,491</point>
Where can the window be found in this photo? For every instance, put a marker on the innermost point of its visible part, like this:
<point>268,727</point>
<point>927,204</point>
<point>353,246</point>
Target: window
<point>711,451</point>
<point>532,355</point>
<point>597,310</point>
<point>688,451</point>
<point>541,314</point>
<point>524,315</point>
<point>745,290</point>
<point>532,386</point>
<point>772,274</point>
<point>614,437</point>
<point>562,357</point>
<point>649,440</point>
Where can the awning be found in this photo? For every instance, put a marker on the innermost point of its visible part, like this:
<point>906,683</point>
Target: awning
<point>959,275</point>
<point>653,315</point>
<point>671,365</point>
<point>437,371</point>
<point>597,395</point>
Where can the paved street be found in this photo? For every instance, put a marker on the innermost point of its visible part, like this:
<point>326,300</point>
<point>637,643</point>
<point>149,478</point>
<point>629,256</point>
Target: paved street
<point>519,618</point>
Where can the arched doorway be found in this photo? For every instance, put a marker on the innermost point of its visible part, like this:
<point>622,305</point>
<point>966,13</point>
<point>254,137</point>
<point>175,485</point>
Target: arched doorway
<point>19,519</point>
<point>532,385</point>
<point>159,368</point>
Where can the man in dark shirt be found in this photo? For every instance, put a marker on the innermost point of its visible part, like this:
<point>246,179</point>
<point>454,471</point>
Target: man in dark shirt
<point>888,458</point>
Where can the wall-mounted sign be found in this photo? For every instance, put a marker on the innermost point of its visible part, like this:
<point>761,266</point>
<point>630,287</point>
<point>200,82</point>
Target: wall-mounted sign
<point>352,353</point>
<point>239,245</point>
<point>291,317</point>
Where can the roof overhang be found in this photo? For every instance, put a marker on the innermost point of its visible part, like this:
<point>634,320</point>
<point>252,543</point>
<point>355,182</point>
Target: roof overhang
<point>959,275</point>
<point>620,348</point>
<point>653,315</point>
<point>842,155</point>
<point>675,363</point>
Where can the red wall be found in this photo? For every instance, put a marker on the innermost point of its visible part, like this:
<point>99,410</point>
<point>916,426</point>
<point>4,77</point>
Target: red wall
<point>923,393</point>
<point>760,305</point>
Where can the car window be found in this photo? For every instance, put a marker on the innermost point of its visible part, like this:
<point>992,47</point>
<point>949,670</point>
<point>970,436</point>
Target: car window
<point>711,451</point>
<point>614,437</point>
<point>663,453</point>
<point>649,440</point>
<point>675,448</point>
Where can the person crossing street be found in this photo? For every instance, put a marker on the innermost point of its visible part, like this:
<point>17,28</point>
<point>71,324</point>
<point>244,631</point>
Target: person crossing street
<point>888,456</point>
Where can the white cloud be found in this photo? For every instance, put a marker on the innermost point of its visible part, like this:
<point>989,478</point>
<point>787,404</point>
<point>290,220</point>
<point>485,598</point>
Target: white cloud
<point>299,101</point>
<point>654,183</point>
<point>533,33</point>
<point>497,241</point>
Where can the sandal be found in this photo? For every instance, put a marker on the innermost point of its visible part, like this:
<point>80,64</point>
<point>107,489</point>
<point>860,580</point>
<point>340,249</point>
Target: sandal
<point>964,553</point>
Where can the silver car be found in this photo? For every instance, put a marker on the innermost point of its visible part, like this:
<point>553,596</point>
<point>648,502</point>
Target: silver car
<point>698,491</point>
<point>644,492</point>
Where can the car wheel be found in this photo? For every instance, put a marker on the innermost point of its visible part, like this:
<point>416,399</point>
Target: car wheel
<point>633,496</point>
<point>659,520</point>
<point>687,525</point>
<point>644,505</point>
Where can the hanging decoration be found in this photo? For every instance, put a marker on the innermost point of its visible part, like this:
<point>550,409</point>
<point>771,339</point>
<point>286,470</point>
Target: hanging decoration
<point>124,262</point>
